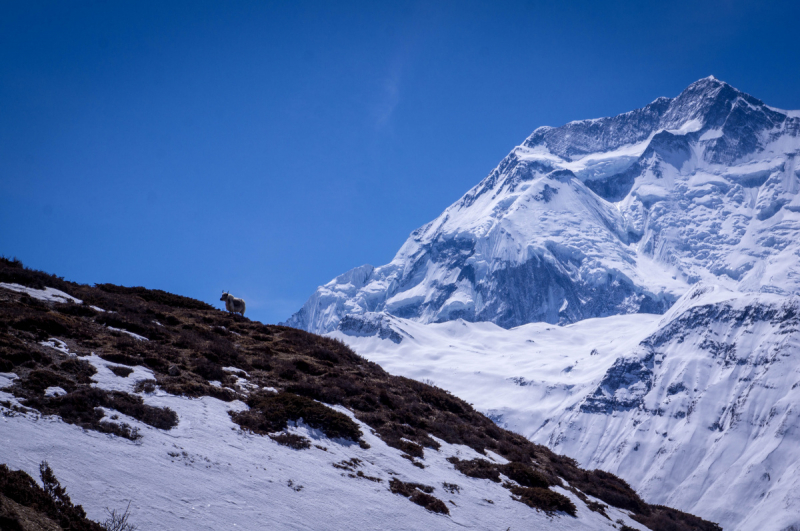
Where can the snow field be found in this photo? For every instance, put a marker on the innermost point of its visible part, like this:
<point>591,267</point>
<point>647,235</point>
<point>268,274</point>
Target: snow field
<point>207,474</point>
<point>716,430</point>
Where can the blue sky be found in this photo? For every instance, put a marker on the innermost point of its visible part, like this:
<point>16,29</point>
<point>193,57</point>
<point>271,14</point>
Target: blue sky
<point>265,148</point>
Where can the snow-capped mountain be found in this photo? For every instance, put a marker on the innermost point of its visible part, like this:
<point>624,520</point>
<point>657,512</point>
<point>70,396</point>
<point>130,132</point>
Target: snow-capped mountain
<point>696,409</point>
<point>601,217</point>
<point>666,243</point>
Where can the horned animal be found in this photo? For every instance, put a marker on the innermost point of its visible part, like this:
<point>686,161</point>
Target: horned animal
<point>232,304</point>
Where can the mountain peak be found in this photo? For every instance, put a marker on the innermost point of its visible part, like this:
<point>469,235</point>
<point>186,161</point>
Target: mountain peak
<point>641,189</point>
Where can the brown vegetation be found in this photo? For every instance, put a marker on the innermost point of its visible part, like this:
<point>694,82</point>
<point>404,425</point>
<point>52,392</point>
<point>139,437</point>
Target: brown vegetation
<point>189,344</point>
<point>25,505</point>
<point>298,442</point>
<point>543,499</point>
<point>419,494</point>
<point>269,413</point>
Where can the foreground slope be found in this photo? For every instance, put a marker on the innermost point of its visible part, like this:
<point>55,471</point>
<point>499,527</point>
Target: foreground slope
<point>697,408</point>
<point>601,217</point>
<point>204,421</point>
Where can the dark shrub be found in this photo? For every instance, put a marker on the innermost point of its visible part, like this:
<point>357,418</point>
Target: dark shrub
<point>209,370</point>
<point>662,518</point>
<point>410,448</point>
<point>324,354</point>
<point>419,494</point>
<point>476,468</point>
<point>330,394</point>
<point>81,407</point>
<point>348,464</point>
<point>288,374</point>
<point>307,368</point>
<point>78,310</point>
<point>131,323</point>
<point>429,502</point>
<point>195,388</point>
<point>41,379</point>
<point>298,442</point>
<point>44,326</point>
<point>261,365</point>
<point>157,296</point>
<point>606,487</point>
<point>221,331</point>
<point>16,352</point>
<point>270,413</point>
<point>156,363</point>
<point>407,489</point>
<point>524,475</point>
<point>120,370</point>
<point>145,386</point>
<point>82,369</point>
<point>51,501</point>
<point>544,499</point>
<point>13,272</point>
<point>452,488</point>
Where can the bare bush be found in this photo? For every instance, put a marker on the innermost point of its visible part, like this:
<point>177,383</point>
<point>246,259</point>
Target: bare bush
<point>118,520</point>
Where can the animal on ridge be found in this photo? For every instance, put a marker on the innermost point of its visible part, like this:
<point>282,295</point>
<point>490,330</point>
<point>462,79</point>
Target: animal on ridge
<point>233,304</point>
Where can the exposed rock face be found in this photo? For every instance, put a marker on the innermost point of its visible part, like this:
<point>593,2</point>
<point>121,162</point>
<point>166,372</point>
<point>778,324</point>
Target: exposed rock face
<point>602,217</point>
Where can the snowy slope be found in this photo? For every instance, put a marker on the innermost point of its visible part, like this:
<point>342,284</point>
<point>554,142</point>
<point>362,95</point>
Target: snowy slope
<point>207,474</point>
<point>601,217</point>
<point>697,409</point>
<point>183,420</point>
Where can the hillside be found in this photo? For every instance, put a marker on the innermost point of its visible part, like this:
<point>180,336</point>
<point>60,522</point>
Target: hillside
<point>204,421</point>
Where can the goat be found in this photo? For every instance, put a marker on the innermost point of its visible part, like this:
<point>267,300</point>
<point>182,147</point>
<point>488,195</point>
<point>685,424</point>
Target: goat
<point>232,304</point>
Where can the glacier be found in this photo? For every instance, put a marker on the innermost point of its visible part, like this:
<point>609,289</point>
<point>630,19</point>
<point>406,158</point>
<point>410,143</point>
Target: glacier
<point>601,217</point>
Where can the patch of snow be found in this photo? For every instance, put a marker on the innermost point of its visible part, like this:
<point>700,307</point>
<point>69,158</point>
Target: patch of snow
<point>106,379</point>
<point>46,294</point>
<point>7,379</point>
<point>58,345</point>
<point>690,126</point>
<point>711,134</point>
<point>134,336</point>
<point>54,391</point>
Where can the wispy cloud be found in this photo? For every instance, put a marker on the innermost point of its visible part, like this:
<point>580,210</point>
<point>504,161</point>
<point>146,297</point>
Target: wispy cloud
<point>390,93</point>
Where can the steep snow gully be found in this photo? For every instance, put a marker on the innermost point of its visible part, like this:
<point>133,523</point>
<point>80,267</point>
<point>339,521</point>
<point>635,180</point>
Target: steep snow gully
<point>624,290</point>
